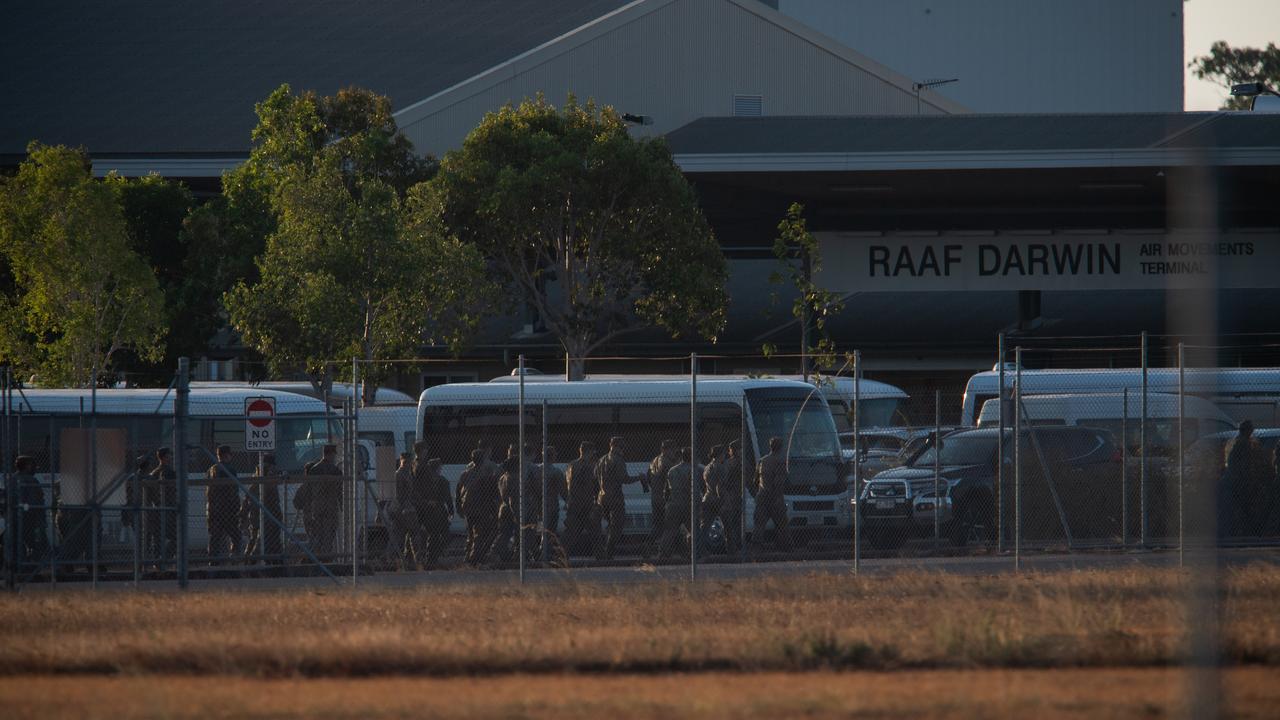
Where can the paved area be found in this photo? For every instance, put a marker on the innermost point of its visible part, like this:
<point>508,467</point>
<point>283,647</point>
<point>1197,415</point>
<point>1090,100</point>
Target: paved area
<point>639,573</point>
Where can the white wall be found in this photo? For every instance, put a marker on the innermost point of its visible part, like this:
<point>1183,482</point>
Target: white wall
<point>1020,55</point>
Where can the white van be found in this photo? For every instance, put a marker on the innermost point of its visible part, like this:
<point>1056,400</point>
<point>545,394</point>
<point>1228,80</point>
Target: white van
<point>1108,411</point>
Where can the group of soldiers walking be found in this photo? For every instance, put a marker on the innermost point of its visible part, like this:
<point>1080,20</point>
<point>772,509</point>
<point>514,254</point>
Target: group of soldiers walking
<point>488,498</point>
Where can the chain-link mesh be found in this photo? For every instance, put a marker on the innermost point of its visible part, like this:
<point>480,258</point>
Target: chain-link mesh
<point>1093,444</point>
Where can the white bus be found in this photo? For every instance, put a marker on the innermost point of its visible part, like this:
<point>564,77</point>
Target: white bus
<point>338,393</point>
<point>454,419</point>
<point>1242,393</point>
<point>1115,412</point>
<point>878,401</point>
<point>58,428</point>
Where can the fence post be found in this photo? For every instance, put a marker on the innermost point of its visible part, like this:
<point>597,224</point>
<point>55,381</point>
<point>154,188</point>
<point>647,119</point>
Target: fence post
<point>742,480</point>
<point>352,434</point>
<point>857,466</point>
<point>937,466</point>
<point>95,504</point>
<point>544,536</point>
<point>181,395</point>
<point>1182,465</point>
<point>11,495</point>
<point>1017,459</point>
<point>695,477</point>
<point>1004,424</point>
<point>1124,470</point>
<point>1143,498</point>
<point>521,470</point>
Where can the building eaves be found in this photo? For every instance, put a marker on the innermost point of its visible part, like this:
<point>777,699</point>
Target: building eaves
<point>975,141</point>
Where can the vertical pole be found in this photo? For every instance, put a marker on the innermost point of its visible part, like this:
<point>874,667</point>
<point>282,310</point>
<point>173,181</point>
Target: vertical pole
<point>543,536</point>
<point>1004,424</point>
<point>1143,496</point>
<point>937,466</point>
<point>521,470</point>
<point>262,515</point>
<point>1182,465</point>
<point>1124,470</point>
<point>95,508</point>
<point>181,395</point>
<point>695,477</point>
<point>742,481</point>
<point>857,466</point>
<point>11,497</point>
<point>807,268</point>
<point>137,519</point>
<point>1017,459</point>
<point>354,469</point>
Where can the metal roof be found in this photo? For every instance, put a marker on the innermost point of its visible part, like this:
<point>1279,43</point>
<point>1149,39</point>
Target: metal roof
<point>975,133</point>
<point>137,77</point>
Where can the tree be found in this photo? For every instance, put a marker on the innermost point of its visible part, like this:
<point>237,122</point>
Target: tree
<point>1227,66</point>
<point>155,213</point>
<point>599,232</point>
<point>797,252</point>
<point>80,294</point>
<point>345,273</point>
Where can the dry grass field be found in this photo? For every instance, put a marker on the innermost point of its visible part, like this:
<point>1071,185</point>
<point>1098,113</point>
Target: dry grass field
<point>1124,618</point>
<point>1095,644</point>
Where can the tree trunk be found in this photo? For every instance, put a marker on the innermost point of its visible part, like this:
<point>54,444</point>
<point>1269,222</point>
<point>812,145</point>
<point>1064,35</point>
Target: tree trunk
<point>575,362</point>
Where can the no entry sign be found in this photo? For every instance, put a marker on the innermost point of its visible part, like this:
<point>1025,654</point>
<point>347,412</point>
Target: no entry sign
<point>260,424</point>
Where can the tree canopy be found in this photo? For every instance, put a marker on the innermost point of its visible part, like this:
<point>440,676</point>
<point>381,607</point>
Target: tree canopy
<point>345,272</point>
<point>78,293</point>
<point>597,231</point>
<point>1227,66</point>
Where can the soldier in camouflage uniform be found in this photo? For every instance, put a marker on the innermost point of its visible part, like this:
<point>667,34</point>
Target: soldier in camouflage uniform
<point>557,490</point>
<point>581,524</point>
<point>681,486</point>
<point>434,508</point>
<point>477,497</point>
<point>508,520</point>
<point>611,475</point>
<point>712,479</point>
<point>321,501</point>
<point>656,485</point>
<point>771,483</point>
<point>729,501</point>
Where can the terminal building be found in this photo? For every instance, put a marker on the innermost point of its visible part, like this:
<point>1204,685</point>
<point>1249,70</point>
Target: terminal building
<point>1055,189</point>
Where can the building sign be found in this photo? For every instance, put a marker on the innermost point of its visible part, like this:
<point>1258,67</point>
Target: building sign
<point>1181,260</point>
<point>260,424</point>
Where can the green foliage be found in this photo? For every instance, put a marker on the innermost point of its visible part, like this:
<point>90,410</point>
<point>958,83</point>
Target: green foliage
<point>344,272</point>
<point>156,211</point>
<point>1227,66</point>
<point>79,292</point>
<point>799,258</point>
<point>596,230</point>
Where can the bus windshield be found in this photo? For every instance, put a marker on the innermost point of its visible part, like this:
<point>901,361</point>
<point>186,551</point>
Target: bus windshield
<point>802,420</point>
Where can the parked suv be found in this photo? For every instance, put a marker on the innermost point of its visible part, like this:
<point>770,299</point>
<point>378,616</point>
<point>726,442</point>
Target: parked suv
<point>1069,475</point>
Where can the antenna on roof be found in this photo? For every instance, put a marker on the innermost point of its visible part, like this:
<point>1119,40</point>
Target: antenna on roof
<point>927,84</point>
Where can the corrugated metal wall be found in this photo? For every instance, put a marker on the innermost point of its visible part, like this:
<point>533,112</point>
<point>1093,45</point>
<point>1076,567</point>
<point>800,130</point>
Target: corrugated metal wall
<point>1020,55</point>
<point>683,60</point>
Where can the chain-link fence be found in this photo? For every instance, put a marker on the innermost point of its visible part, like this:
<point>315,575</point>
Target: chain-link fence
<point>174,483</point>
<point>1065,445</point>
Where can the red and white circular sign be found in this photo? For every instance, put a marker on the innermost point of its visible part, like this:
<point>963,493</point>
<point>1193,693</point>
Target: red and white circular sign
<point>260,412</point>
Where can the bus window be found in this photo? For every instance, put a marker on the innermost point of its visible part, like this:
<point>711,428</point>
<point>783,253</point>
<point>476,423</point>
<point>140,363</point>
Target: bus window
<point>569,425</point>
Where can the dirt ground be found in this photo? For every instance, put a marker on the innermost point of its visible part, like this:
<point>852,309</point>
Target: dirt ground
<point>1042,694</point>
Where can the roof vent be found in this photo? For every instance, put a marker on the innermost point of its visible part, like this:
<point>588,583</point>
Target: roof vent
<point>748,105</point>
